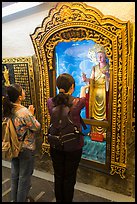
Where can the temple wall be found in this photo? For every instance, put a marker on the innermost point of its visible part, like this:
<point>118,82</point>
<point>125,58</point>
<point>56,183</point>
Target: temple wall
<point>16,30</point>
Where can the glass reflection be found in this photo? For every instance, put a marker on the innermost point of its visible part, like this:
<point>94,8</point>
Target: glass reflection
<point>87,62</point>
<point>94,148</point>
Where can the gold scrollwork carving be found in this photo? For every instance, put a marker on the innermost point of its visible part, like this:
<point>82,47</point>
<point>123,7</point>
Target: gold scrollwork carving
<point>77,21</point>
<point>75,34</point>
<point>118,170</point>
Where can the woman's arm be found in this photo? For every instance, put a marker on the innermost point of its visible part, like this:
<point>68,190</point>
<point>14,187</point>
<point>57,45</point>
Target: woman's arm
<point>30,120</point>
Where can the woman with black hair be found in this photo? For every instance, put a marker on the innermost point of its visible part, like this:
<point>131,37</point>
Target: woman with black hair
<point>26,127</point>
<point>65,163</point>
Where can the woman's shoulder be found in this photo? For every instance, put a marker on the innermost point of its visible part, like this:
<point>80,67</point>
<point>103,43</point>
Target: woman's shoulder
<point>22,112</point>
<point>79,101</point>
<point>49,101</point>
<point>18,108</point>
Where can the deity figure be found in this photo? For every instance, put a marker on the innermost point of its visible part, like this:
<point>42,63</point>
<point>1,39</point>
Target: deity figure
<point>6,76</point>
<point>98,88</point>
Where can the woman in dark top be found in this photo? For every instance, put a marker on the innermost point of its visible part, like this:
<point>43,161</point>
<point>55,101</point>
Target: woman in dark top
<point>65,164</point>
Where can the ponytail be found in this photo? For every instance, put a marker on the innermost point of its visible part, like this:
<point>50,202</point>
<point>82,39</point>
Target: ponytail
<point>61,99</point>
<point>12,93</point>
<point>7,106</point>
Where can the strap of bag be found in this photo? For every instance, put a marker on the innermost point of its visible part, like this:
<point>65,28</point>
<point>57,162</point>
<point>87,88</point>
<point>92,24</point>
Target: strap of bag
<point>83,123</point>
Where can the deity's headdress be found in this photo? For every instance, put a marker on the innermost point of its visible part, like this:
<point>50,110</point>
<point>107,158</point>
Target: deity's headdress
<point>101,49</point>
<point>94,50</point>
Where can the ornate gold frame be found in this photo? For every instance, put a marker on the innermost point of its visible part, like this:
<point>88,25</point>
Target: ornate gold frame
<point>77,21</point>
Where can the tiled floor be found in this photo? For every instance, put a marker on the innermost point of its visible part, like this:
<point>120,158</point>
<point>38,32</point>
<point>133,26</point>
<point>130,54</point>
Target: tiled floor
<point>43,189</point>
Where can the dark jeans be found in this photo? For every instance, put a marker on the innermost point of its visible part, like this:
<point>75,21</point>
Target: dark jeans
<point>65,166</point>
<point>21,172</point>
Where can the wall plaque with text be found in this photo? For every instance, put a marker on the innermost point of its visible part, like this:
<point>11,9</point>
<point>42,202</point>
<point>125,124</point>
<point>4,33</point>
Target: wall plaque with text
<point>19,70</point>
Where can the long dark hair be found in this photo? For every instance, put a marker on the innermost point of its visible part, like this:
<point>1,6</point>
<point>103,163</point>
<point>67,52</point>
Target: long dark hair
<point>64,81</point>
<point>12,93</point>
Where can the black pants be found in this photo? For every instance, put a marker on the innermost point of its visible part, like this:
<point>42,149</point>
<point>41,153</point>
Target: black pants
<point>65,165</point>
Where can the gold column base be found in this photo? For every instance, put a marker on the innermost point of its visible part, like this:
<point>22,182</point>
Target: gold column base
<point>45,148</point>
